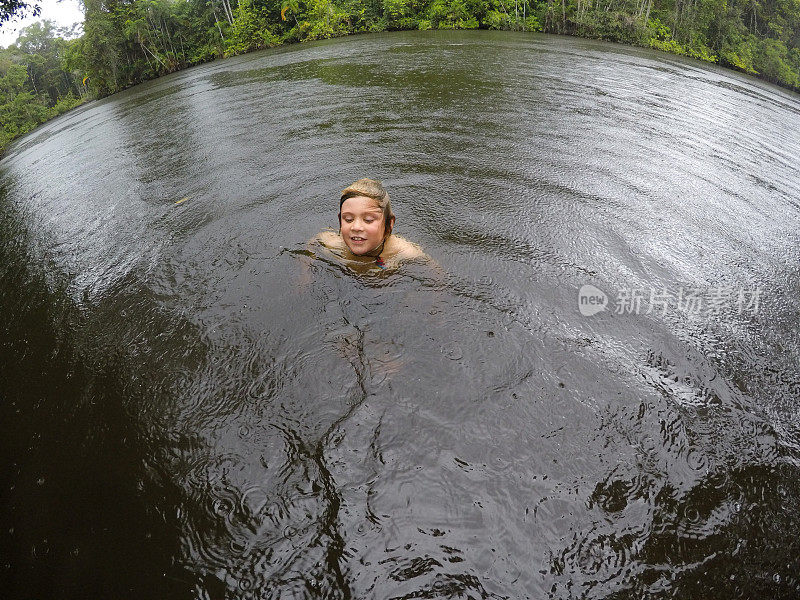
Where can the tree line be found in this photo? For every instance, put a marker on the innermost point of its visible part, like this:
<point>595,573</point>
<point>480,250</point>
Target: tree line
<point>125,42</point>
<point>36,83</point>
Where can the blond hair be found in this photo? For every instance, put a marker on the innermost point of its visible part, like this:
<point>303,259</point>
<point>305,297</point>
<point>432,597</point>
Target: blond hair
<point>370,188</point>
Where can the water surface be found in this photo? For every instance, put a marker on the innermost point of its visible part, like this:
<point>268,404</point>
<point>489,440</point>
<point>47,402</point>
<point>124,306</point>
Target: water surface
<point>184,415</point>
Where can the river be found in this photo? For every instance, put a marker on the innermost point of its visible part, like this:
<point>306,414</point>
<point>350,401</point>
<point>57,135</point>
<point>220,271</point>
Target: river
<point>593,393</point>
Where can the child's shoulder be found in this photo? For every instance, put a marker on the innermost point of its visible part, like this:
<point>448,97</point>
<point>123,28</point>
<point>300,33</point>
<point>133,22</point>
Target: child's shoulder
<point>404,249</point>
<point>329,238</point>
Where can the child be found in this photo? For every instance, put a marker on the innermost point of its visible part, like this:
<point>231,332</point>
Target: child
<point>365,234</point>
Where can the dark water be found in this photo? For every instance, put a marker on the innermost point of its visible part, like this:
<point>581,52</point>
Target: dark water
<point>183,416</point>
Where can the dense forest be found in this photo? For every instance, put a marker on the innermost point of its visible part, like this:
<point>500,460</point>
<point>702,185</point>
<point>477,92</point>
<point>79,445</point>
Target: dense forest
<point>125,42</point>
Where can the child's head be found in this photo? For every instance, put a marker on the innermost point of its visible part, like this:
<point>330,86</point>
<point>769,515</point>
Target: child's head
<point>365,215</point>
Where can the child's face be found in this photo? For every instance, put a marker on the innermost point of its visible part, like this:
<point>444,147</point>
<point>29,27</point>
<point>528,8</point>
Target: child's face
<point>362,224</point>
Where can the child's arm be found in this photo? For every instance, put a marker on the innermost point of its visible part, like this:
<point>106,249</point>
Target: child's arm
<point>329,241</point>
<point>305,263</point>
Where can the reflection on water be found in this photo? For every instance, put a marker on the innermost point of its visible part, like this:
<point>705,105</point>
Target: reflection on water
<point>185,415</point>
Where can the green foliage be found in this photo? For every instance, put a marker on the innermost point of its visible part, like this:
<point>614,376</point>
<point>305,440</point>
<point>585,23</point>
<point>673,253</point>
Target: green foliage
<point>40,49</point>
<point>531,23</point>
<point>249,30</point>
<point>35,84</point>
<point>772,60</point>
<point>13,81</point>
<point>614,26</point>
<point>453,14</point>
<point>737,51</point>
<point>495,19</point>
<point>22,113</point>
<point>674,47</point>
<point>517,16</point>
<point>659,31</point>
<point>5,140</point>
<point>324,20</point>
<point>204,53</point>
<point>11,9</point>
<point>661,38</point>
<point>64,104</point>
<point>401,14</point>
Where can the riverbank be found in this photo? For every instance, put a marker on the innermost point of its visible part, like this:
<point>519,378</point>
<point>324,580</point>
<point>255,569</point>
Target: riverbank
<point>124,45</point>
<point>22,110</point>
<point>20,119</point>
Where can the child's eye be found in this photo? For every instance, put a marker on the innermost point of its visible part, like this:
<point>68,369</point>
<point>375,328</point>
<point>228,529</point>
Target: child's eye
<point>369,220</point>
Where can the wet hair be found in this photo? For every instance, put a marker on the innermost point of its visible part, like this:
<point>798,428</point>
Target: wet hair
<point>371,189</point>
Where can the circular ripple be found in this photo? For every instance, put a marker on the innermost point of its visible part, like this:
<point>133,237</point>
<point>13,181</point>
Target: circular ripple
<point>224,502</point>
<point>699,461</point>
<point>246,583</point>
<point>453,351</point>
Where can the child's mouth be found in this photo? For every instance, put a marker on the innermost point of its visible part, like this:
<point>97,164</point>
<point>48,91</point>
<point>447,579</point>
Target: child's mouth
<point>358,240</point>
